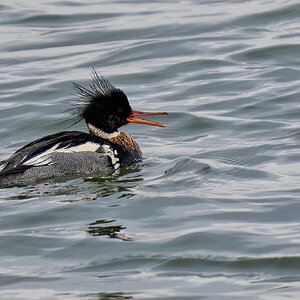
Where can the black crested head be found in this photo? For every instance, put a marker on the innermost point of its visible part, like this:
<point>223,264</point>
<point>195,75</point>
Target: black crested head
<point>102,105</point>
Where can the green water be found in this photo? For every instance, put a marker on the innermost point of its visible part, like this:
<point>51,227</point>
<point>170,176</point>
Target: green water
<point>213,210</point>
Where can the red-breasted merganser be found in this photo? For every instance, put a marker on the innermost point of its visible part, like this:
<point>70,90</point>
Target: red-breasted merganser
<point>103,150</point>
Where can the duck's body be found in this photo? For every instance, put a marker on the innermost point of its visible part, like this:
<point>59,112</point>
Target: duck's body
<point>101,151</point>
<point>68,153</point>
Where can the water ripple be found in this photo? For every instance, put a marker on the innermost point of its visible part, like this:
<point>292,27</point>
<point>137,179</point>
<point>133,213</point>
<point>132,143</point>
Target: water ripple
<point>215,201</point>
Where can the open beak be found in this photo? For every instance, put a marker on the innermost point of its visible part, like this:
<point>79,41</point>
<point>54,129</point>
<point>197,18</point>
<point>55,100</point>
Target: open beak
<point>133,118</point>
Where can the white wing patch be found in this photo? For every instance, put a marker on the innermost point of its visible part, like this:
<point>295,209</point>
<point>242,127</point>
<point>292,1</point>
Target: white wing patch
<point>3,164</point>
<point>113,154</point>
<point>86,147</point>
<point>41,159</point>
<point>44,159</point>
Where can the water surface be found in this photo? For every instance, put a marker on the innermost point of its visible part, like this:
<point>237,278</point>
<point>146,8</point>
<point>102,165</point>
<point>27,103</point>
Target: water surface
<point>213,210</point>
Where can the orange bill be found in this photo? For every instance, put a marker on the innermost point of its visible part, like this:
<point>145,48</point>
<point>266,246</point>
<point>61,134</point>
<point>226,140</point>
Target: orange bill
<point>133,118</point>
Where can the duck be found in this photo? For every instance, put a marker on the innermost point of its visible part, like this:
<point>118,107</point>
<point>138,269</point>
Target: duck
<point>101,151</point>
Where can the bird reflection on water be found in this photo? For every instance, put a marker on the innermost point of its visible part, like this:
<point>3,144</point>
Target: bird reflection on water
<point>99,296</point>
<point>121,183</point>
<point>99,228</point>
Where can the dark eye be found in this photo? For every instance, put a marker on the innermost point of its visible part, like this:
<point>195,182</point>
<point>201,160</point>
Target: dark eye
<point>120,110</point>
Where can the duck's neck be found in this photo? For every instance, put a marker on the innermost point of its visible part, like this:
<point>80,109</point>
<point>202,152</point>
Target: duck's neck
<point>98,132</point>
<point>120,138</point>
